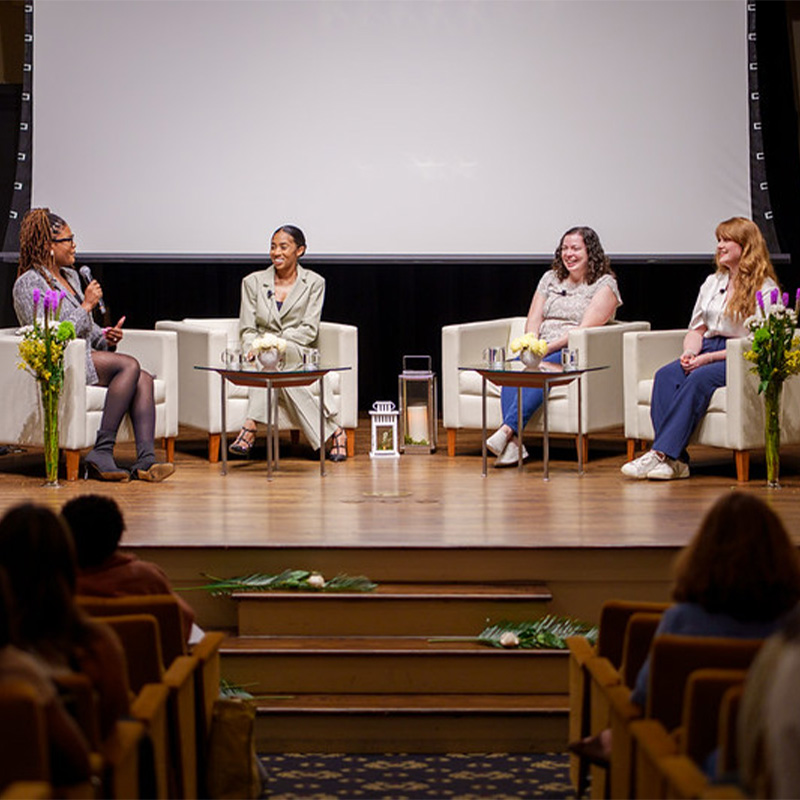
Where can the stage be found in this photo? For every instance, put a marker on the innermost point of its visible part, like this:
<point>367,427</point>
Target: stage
<point>419,517</point>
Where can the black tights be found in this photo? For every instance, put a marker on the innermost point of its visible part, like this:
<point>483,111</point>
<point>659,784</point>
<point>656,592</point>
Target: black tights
<point>130,389</point>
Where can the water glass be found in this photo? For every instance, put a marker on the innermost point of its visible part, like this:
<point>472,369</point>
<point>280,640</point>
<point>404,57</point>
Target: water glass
<point>495,357</point>
<point>569,359</point>
<point>311,359</point>
<point>232,357</point>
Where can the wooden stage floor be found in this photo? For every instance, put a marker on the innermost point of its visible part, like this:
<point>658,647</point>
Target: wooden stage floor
<point>426,501</point>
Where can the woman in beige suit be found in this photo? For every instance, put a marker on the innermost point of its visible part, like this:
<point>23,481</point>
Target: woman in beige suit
<point>286,299</point>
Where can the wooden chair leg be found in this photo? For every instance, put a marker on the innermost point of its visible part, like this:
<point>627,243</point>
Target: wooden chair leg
<point>742,458</point>
<point>351,442</point>
<point>73,458</point>
<point>631,449</point>
<point>214,442</point>
<point>451,442</point>
<point>169,446</point>
<point>585,447</point>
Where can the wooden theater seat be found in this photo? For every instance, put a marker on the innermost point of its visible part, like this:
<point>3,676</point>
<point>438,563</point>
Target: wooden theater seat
<point>624,636</point>
<point>141,641</point>
<point>672,659</point>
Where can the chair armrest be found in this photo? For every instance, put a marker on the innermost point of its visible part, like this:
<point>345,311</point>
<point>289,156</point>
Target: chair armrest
<point>464,344</point>
<point>157,352</point>
<point>683,777</point>
<point>643,353</point>
<point>199,400</point>
<point>338,346</point>
<point>652,743</point>
<point>601,346</point>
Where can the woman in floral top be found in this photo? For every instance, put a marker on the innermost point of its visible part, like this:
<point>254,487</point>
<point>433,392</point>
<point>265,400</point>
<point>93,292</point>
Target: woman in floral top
<point>580,291</point>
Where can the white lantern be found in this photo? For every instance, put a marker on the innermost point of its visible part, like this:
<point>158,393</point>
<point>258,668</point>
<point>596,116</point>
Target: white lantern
<point>418,407</point>
<point>384,416</point>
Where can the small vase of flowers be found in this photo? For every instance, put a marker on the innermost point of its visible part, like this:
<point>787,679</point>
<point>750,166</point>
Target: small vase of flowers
<point>775,355</point>
<point>42,353</point>
<point>269,350</point>
<point>531,349</point>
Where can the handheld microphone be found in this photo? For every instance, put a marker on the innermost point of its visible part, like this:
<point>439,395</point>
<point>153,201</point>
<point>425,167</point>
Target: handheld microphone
<point>86,274</point>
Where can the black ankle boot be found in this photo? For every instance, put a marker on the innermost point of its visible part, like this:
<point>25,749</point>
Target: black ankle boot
<point>147,468</point>
<point>100,459</point>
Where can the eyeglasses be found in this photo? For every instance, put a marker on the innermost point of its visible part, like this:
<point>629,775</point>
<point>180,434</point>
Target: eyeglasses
<point>70,239</point>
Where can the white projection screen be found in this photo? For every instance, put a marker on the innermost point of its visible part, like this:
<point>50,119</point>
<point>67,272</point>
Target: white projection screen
<point>391,127</point>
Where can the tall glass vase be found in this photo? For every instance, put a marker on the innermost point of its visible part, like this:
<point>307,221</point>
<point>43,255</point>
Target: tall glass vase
<point>50,408</point>
<point>772,432</point>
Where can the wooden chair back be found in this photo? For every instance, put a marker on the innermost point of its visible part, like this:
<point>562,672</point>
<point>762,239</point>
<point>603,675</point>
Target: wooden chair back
<point>164,607</point>
<point>206,687</point>
<point>24,755</point>
<point>728,762</point>
<point>614,617</point>
<point>702,704</point>
<point>639,634</point>
<point>141,642</point>
<point>673,658</point>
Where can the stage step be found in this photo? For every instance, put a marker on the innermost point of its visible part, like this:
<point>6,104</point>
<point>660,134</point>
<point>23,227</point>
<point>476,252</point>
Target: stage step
<point>393,609</point>
<point>388,665</point>
<point>417,723</point>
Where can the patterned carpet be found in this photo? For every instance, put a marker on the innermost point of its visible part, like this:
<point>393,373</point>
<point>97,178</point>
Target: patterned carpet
<point>496,775</point>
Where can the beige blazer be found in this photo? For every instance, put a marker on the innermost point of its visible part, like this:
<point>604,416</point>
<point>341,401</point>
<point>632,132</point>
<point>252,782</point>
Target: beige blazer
<point>297,320</point>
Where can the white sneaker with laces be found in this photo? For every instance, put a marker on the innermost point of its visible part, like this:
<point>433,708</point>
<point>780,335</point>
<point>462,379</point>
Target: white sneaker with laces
<point>639,467</point>
<point>669,469</point>
<point>510,456</point>
<point>497,442</point>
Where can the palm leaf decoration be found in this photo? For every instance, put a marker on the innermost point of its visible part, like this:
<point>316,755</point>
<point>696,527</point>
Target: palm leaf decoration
<point>289,579</point>
<point>546,633</point>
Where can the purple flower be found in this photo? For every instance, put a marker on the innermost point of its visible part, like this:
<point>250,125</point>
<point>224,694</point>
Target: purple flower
<point>785,299</point>
<point>62,294</point>
<point>797,301</point>
<point>760,298</point>
<point>773,296</point>
<point>37,296</point>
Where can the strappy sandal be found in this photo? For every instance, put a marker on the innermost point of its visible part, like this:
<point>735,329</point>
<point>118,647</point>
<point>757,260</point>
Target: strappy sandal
<point>338,451</point>
<point>243,443</point>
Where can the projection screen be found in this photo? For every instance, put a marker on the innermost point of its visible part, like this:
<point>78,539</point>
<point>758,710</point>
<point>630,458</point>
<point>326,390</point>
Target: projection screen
<point>391,127</point>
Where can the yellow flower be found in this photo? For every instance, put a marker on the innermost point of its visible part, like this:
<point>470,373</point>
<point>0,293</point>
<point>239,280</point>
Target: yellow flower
<point>529,342</point>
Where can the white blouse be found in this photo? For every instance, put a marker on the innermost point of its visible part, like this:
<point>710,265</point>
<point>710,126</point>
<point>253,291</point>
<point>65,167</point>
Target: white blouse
<point>709,310</point>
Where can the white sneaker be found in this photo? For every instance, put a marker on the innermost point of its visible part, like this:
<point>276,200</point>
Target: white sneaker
<point>668,470</point>
<point>497,442</point>
<point>639,467</point>
<point>510,456</point>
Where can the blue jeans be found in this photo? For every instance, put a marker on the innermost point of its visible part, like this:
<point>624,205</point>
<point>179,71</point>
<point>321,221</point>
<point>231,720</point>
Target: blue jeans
<point>680,401</point>
<point>531,399</point>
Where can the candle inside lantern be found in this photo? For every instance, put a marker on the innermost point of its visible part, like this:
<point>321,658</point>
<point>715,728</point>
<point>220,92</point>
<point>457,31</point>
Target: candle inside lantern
<point>418,423</point>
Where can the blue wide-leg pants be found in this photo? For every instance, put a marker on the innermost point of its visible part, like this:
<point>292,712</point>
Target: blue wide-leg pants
<point>531,399</point>
<point>679,401</point>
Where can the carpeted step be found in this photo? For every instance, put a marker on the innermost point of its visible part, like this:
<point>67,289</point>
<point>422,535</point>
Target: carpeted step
<point>393,609</point>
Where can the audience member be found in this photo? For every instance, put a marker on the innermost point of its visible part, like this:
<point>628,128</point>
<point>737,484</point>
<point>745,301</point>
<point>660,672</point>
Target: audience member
<point>737,578</point>
<point>68,748</point>
<point>36,550</point>
<point>97,526</point>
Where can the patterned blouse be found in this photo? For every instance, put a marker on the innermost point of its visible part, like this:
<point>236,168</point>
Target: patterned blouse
<point>565,302</point>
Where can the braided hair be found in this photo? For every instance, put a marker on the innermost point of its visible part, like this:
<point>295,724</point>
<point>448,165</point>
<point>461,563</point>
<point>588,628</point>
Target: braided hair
<point>39,227</point>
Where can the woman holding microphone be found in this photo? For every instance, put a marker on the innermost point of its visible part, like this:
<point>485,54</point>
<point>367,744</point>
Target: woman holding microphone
<point>46,262</point>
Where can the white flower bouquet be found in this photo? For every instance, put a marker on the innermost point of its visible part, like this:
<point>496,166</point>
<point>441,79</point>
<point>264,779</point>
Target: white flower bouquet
<point>268,341</point>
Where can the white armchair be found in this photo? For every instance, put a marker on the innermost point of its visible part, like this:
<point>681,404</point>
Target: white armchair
<point>81,405</point>
<point>735,416</point>
<point>201,343</point>
<point>463,345</point>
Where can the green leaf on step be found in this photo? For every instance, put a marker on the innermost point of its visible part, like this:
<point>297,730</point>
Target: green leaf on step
<point>548,632</point>
<point>289,579</point>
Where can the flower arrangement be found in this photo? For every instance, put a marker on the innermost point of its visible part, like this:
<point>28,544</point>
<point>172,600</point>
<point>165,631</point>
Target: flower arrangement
<point>42,353</point>
<point>775,356</point>
<point>529,342</point>
<point>268,341</point>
